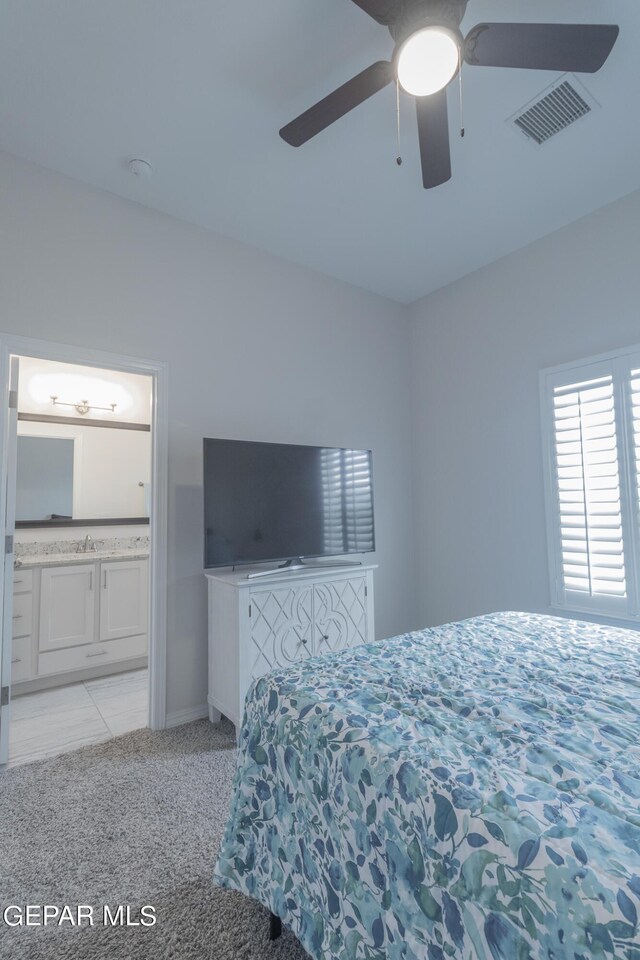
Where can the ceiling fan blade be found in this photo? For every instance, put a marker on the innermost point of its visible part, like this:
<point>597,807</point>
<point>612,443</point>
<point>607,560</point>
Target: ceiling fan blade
<point>341,101</point>
<point>433,136</point>
<point>384,11</point>
<point>565,47</point>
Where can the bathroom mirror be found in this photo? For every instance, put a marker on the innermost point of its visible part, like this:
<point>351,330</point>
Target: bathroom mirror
<point>44,478</point>
<point>71,474</point>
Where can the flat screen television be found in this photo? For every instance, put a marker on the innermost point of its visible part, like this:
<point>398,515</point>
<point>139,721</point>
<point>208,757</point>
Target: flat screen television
<point>277,501</point>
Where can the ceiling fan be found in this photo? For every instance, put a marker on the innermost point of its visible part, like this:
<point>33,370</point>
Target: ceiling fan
<point>428,54</point>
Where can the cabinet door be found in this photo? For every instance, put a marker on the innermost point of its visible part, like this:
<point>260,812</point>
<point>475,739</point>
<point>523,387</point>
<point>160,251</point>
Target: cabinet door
<point>340,614</point>
<point>280,628</point>
<point>123,599</point>
<point>67,606</point>
<point>22,614</point>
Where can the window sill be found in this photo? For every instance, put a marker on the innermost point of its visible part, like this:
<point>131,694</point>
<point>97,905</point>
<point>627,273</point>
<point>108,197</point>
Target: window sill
<point>606,619</point>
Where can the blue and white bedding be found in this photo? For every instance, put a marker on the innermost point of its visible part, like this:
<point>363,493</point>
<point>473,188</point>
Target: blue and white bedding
<point>470,791</point>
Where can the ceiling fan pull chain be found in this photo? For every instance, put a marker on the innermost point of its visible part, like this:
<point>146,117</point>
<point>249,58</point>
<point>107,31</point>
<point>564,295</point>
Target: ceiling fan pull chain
<point>461,95</point>
<point>398,158</point>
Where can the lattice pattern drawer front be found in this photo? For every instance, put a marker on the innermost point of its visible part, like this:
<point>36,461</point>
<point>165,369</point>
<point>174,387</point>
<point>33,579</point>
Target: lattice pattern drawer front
<point>340,610</point>
<point>281,628</point>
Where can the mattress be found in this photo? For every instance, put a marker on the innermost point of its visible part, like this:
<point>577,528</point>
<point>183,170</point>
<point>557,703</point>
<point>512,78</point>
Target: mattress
<point>468,791</point>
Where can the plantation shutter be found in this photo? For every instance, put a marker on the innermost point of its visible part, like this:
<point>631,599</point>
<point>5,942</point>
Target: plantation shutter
<point>587,480</point>
<point>332,500</point>
<point>346,489</point>
<point>635,423</point>
<point>357,491</point>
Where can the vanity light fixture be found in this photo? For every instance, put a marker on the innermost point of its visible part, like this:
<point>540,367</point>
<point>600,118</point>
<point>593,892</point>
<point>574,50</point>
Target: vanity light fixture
<point>100,391</point>
<point>83,407</point>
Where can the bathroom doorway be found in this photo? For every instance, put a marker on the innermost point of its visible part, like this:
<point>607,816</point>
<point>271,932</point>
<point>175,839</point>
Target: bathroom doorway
<point>84,510</point>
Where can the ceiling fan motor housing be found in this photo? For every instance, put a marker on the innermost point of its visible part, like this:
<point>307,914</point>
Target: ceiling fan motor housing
<point>412,15</point>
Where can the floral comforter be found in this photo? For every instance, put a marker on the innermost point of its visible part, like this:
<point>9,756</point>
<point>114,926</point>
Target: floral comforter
<point>470,791</point>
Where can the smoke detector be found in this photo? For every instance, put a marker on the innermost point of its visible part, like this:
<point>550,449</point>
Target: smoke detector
<point>141,169</point>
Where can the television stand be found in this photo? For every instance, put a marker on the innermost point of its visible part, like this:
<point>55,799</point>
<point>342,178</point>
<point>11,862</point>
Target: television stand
<point>270,624</point>
<point>300,564</point>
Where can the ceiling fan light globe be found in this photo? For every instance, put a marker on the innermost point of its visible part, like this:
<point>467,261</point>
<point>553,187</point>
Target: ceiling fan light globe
<point>427,61</point>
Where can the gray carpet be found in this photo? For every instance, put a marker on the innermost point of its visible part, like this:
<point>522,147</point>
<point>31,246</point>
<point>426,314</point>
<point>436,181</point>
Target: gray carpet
<point>136,820</point>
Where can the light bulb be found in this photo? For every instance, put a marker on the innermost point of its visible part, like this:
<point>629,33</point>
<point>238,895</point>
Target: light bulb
<point>428,61</point>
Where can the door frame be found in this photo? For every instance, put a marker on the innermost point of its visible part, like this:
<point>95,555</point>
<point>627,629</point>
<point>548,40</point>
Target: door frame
<point>10,422</point>
<point>11,345</point>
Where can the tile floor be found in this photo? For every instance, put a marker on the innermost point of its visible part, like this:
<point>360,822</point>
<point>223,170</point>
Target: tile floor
<point>51,722</point>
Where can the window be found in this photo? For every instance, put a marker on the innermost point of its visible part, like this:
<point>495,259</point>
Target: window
<point>347,501</point>
<point>591,430</point>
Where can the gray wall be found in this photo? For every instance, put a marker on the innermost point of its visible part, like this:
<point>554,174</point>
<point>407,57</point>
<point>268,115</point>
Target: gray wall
<point>477,347</point>
<point>257,348</point>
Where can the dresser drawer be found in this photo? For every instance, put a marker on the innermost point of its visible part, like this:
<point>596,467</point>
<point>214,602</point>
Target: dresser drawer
<point>22,581</point>
<point>22,614</point>
<point>21,659</point>
<point>91,655</point>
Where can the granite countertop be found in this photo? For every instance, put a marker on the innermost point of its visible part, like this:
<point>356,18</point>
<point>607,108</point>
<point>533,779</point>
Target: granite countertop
<point>71,557</point>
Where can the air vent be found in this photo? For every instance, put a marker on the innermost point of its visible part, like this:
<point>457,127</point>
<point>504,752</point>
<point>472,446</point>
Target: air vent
<point>558,107</point>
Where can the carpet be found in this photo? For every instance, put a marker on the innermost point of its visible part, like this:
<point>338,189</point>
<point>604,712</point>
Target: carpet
<point>134,821</point>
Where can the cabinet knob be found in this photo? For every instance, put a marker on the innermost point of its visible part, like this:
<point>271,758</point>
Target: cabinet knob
<point>325,636</point>
<point>303,640</point>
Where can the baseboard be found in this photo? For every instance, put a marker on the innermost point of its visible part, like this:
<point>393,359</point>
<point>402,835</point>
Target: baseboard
<point>179,717</point>
<point>77,676</point>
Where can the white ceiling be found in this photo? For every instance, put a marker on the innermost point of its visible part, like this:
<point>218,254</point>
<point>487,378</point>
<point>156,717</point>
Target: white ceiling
<point>201,88</point>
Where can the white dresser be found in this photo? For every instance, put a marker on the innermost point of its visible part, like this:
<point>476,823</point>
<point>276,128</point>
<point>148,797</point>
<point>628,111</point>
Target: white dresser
<point>256,625</point>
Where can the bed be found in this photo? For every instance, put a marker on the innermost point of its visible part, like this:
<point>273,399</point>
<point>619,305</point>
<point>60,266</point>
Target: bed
<point>470,791</point>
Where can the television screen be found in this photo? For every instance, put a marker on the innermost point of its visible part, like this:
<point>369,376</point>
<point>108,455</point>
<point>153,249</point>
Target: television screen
<point>276,501</point>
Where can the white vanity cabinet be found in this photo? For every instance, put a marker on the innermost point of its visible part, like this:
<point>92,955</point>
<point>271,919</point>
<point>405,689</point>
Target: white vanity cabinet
<point>256,625</point>
<point>78,616</point>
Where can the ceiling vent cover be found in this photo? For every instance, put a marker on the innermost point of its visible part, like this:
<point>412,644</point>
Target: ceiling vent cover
<point>559,106</point>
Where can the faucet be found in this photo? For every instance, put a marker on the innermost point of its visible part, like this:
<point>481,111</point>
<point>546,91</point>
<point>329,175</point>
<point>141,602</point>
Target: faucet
<point>86,546</point>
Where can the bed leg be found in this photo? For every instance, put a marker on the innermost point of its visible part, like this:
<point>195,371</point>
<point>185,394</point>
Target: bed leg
<point>275,927</point>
